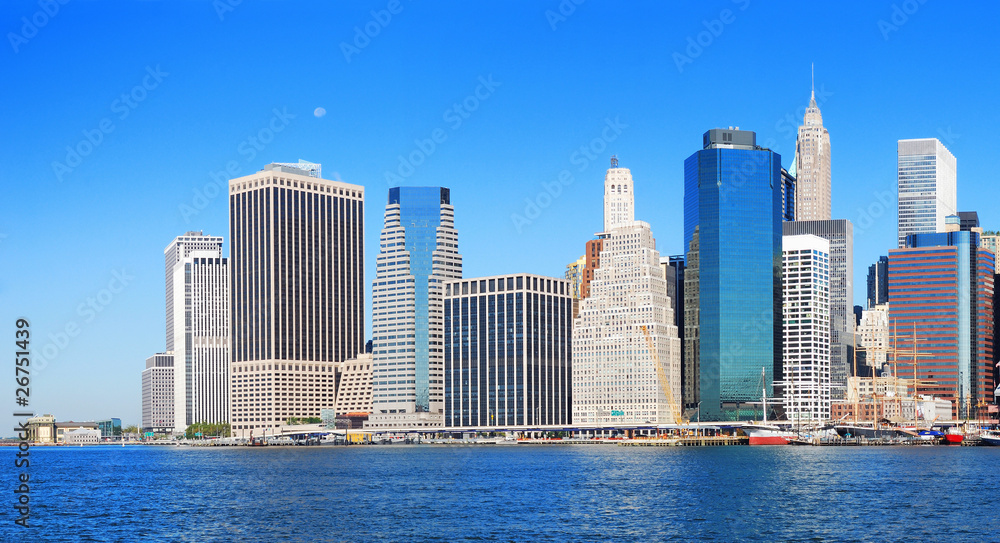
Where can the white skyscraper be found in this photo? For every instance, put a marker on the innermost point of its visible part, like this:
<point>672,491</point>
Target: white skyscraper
<point>615,375</point>
<point>812,167</point>
<point>198,328</point>
<point>806,315</point>
<point>158,393</point>
<point>619,202</point>
<point>928,187</point>
<point>419,252</point>
<point>873,335</point>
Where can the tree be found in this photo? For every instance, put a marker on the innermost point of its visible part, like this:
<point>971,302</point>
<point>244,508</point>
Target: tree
<point>215,429</point>
<point>133,429</point>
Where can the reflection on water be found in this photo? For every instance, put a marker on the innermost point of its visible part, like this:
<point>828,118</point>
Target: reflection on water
<point>514,493</point>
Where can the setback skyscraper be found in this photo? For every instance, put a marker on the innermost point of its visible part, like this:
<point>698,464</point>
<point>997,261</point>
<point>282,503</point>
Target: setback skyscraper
<point>626,350</point>
<point>419,254</point>
<point>928,187</point>
<point>298,292</point>
<point>732,240</point>
<point>198,328</point>
<point>812,167</point>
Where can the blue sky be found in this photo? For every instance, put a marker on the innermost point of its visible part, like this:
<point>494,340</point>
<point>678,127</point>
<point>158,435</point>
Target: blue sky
<point>156,96</point>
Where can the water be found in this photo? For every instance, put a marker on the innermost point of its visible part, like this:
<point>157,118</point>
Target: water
<point>509,493</point>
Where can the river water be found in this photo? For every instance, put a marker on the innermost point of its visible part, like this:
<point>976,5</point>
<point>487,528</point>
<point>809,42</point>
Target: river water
<point>508,493</point>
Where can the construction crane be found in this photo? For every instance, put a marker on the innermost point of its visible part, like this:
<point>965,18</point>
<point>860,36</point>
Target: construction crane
<point>675,409</point>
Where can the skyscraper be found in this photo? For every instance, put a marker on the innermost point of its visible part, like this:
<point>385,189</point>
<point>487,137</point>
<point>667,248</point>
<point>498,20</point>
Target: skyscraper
<point>812,168</point>
<point>507,342</point>
<point>840,234</point>
<point>626,350</point>
<point>574,274</point>
<point>806,328</point>
<point>158,394</point>
<point>298,292</point>
<point>673,273</point>
<point>878,282</point>
<point>941,306</point>
<point>927,185</point>
<point>732,240</point>
<point>198,317</point>
<point>419,253</point>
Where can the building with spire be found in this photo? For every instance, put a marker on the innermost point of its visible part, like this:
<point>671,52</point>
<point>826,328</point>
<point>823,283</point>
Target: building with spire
<point>812,166</point>
<point>626,349</point>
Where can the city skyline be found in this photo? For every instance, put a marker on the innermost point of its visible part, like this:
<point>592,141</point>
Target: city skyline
<point>111,222</point>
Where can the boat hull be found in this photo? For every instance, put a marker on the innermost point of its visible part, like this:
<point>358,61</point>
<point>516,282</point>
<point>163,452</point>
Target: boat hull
<point>768,440</point>
<point>954,439</point>
<point>992,441</point>
<point>767,435</point>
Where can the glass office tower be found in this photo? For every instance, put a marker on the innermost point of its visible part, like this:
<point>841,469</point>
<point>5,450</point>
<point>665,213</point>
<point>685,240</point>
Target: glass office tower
<point>733,210</point>
<point>419,252</point>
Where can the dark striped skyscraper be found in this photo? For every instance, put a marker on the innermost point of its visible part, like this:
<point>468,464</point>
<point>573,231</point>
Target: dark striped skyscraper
<point>297,265</point>
<point>507,347</point>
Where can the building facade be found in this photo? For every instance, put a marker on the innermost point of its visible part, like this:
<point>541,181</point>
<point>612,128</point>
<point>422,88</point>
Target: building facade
<point>732,241</point>
<point>873,336</point>
<point>592,261</point>
<point>507,346</point>
<point>297,293</point>
<point>878,282</point>
<point>419,253</point>
<point>941,295</point>
<point>626,349</point>
<point>674,268</point>
<point>806,309</point>
<point>840,234</point>
<point>574,274</point>
<point>927,183</point>
<point>110,427</point>
<point>812,169</point>
<point>158,393</point>
<point>354,386</point>
<point>198,316</point>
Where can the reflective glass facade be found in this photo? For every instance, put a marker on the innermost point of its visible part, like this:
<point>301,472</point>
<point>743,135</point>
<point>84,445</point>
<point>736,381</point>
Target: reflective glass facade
<point>733,197</point>
<point>419,251</point>
<point>941,306</point>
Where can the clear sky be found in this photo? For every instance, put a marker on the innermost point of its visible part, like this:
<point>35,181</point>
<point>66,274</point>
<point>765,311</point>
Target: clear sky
<point>117,114</point>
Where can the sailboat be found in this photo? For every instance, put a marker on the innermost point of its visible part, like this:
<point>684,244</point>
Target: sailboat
<point>764,433</point>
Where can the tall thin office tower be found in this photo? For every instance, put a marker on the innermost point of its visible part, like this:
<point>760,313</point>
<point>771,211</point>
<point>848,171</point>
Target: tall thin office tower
<point>807,328</point>
<point>298,292</point>
<point>419,252</point>
<point>812,166</point>
<point>927,181</point>
<point>626,349</point>
<point>198,330</point>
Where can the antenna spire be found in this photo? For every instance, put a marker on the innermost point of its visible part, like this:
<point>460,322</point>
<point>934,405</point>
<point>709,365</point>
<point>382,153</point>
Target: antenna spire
<point>812,72</point>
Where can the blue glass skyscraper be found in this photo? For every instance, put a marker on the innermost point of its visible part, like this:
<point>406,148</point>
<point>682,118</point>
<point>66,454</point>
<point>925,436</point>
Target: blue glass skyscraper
<point>419,251</point>
<point>733,209</point>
